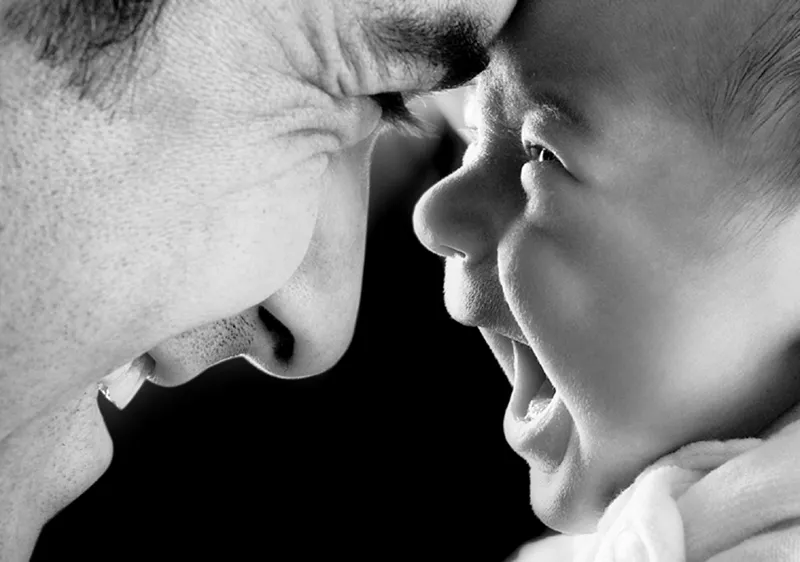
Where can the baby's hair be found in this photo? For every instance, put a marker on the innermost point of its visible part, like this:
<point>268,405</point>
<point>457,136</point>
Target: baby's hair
<point>94,40</point>
<point>747,89</point>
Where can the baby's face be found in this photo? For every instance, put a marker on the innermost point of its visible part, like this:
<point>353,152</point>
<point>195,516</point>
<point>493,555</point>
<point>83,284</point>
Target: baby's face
<point>599,239</point>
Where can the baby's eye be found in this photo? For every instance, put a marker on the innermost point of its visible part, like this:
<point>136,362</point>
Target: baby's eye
<point>538,153</point>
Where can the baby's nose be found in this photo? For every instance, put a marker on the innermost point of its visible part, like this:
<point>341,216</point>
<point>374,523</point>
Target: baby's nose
<point>453,220</point>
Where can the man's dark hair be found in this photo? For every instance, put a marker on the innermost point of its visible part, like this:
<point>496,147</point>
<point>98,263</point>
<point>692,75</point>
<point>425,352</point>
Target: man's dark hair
<point>96,42</point>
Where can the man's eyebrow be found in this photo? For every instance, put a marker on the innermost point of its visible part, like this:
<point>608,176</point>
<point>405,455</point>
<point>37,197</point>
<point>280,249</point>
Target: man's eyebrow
<point>452,43</point>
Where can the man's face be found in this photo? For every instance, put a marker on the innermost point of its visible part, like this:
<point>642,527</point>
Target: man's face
<point>220,208</point>
<point>597,238</point>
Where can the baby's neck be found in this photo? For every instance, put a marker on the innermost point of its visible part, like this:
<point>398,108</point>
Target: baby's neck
<point>787,418</point>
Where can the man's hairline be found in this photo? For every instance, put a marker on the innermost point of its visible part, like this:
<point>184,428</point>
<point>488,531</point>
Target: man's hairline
<point>98,73</point>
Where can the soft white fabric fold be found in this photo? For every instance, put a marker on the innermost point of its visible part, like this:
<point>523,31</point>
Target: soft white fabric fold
<point>715,501</point>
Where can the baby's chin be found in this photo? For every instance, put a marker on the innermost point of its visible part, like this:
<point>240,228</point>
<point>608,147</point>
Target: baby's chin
<point>565,509</point>
<point>572,498</point>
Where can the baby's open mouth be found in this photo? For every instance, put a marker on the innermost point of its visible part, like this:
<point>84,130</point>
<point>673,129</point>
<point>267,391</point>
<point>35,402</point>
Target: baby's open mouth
<point>533,391</point>
<point>537,424</point>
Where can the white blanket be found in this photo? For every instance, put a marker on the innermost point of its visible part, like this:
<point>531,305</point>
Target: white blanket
<point>715,501</point>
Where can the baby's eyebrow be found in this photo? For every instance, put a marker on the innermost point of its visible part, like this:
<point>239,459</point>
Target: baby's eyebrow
<point>559,107</point>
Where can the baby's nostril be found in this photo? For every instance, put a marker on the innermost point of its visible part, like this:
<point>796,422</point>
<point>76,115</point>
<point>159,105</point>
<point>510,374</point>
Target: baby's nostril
<point>283,340</point>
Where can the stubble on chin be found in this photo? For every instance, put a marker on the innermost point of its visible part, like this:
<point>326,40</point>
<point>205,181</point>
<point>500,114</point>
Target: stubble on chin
<point>47,463</point>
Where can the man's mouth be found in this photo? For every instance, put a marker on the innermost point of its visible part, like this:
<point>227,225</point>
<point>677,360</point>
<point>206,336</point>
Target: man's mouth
<point>253,333</point>
<point>122,384</point>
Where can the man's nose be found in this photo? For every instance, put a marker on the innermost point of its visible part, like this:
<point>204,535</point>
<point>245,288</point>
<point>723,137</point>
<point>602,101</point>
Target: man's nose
<point>317,308</point>
<point>456,219</point>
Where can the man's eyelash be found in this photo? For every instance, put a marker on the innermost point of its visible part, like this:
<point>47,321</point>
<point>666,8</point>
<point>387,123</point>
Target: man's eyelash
<point>396,114</point>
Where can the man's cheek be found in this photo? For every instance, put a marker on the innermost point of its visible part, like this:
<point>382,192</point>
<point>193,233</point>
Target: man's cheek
<point>336,250</point>
<point>247,249</point>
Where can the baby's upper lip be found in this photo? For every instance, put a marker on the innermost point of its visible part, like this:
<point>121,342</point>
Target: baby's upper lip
<point>510,333</point>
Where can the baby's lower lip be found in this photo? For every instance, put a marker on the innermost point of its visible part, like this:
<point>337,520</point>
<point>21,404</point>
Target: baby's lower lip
<point>537,422</point>
<point>542,438</point>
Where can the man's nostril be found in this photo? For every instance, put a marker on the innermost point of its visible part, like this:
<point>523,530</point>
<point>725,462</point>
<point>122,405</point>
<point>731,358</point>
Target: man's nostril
<point>283,340</point>
<point>450,252</point>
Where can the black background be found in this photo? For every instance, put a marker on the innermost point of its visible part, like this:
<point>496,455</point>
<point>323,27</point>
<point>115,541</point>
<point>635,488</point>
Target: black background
<point>396,453</point>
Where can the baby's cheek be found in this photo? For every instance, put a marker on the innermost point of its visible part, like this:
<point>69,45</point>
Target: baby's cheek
<point>586,325</point>
<point>547,291</point>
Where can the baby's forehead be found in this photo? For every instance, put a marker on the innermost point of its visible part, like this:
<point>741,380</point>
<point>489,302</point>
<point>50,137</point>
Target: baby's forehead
<point>725,70</point>
<point>578,38</point>
<point>681,53</point>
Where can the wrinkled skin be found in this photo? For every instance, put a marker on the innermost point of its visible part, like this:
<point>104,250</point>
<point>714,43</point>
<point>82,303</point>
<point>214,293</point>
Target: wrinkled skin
<point>231,175</point>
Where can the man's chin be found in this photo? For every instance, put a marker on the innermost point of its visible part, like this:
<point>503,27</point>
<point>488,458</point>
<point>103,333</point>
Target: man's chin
<point>50,461</point>
<point>82,452</point>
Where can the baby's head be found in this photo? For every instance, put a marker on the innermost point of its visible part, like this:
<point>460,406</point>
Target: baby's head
<point>626,223</point>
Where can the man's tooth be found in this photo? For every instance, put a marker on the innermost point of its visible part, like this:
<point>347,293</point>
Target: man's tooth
<point>121,385</point>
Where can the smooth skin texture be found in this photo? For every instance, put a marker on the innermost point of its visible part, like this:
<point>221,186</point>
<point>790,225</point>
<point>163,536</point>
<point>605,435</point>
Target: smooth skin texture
<point>657,290</point>
<point>231,174</point>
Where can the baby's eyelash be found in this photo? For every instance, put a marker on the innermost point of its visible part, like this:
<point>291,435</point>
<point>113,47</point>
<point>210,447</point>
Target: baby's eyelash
<point>538,153</point>
<point>532,152</point>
